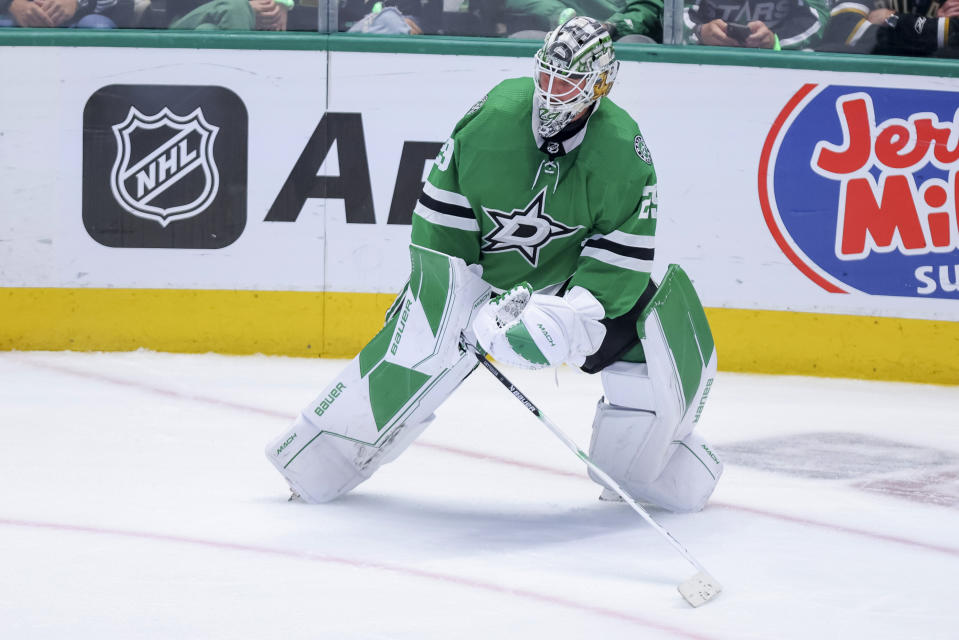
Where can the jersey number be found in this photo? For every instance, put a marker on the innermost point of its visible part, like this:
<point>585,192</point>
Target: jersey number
<point>443,158</point>
<point>649,203</point>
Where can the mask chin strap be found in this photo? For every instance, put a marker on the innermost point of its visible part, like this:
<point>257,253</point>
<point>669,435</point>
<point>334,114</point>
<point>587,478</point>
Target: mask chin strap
<point>553,145</point>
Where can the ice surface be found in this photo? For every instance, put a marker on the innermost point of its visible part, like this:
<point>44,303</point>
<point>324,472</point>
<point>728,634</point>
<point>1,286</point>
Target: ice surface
<point>135,502</point>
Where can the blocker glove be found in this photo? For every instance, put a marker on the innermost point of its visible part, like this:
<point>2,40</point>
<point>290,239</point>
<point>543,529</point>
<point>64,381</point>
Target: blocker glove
<point>534,331</point>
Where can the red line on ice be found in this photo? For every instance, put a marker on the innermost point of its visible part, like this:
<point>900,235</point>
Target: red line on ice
<point>493,458</point>
<point>360,564</point>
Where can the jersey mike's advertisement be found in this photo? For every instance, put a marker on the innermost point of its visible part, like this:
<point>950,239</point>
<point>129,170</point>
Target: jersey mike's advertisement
<point>858,186</point>
<point>284,182</point>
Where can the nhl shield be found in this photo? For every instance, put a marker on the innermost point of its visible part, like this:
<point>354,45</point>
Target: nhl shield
<point>164,168</point>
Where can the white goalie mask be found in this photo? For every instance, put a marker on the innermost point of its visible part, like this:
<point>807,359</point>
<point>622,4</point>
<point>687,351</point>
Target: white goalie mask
<point>575,67</point>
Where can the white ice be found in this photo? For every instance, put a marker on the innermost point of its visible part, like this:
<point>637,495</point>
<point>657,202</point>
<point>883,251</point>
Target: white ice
<point>135,502</point>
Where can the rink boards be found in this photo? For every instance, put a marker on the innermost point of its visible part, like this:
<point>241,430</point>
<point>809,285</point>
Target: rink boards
<point>257,197</point>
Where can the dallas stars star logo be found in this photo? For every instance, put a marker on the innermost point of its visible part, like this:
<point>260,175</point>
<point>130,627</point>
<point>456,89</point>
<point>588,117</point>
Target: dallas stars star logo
<point>525,231</point>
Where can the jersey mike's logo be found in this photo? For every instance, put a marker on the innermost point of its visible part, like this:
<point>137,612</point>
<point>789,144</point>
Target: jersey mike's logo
<point>858,186</point>
<point>164,169</point>
<point>164,166</point>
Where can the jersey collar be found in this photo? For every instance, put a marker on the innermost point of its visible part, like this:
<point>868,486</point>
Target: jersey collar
<point>560,144</point>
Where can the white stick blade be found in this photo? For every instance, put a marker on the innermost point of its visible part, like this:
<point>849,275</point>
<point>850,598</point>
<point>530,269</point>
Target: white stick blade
<point>700,589</point>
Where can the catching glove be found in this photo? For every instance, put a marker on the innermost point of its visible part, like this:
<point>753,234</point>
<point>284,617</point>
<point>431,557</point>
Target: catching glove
<point>534,331</point>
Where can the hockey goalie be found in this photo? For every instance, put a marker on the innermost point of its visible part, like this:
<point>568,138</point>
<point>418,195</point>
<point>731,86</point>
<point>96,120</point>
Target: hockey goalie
<point>534,237</point>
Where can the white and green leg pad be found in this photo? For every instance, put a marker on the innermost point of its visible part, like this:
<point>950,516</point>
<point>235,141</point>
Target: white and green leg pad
<point>643,430</point>
<point>386,395</point>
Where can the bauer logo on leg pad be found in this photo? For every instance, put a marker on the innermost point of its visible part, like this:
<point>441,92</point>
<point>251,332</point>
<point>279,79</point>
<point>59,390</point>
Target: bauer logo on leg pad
<point>401,326</point>
<point>331,397</point>
<point>702,402</point>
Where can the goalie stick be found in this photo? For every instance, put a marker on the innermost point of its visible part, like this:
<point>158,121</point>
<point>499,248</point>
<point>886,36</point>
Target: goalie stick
<point>697,590</point>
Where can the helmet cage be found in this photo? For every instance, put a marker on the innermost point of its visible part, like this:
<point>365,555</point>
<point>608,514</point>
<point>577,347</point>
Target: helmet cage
<point>575,67</point>
<point>566,91</point>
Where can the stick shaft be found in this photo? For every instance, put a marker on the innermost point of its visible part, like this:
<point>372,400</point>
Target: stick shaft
<point>572,446</point>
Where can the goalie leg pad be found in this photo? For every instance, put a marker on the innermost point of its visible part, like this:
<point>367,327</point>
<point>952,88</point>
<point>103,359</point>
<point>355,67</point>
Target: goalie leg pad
<point>322,466</point>
<point>624,444</point>
<point>326,465</point>
<point>386,395</point>
<point>680,352</point>
<point>638,451</point>
<point>690,476</point>
<point>642,433</point>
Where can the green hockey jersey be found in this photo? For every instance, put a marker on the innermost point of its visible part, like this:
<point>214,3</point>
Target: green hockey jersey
<point>582,210</point>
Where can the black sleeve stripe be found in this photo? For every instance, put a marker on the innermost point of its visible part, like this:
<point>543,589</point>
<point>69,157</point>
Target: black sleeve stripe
<point>445,207</point>
<point>638,253</point>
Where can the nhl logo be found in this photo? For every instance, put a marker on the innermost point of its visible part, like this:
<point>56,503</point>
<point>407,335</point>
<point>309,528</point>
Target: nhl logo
<point>164,169</point>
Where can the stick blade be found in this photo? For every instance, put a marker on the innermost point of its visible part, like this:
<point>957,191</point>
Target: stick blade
<point>700,589</point>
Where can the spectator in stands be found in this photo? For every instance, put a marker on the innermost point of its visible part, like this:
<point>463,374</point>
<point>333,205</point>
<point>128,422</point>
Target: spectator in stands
<point>948,9</point>
<point>220,15</point>
<point>781,24</point>
<point>642,19</point>
<point>389,16</point>
<point>80,14</point>
<point>920,28</point>
<point>882,9</point>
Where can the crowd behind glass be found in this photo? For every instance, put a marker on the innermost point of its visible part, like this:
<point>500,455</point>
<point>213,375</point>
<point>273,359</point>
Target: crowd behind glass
<point>890,27</point>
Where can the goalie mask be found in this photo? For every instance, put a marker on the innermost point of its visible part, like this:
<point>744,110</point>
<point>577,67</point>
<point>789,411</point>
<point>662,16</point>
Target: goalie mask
<point>575,68</point>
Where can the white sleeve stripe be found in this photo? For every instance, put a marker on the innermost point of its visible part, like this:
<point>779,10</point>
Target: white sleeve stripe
<point>861,28</point>
<point>445,220</point>
<point>623,262</point>
<point>628,239</point>
<point>448,197</point>
<point>805,34</point>
<point>853,7</point>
